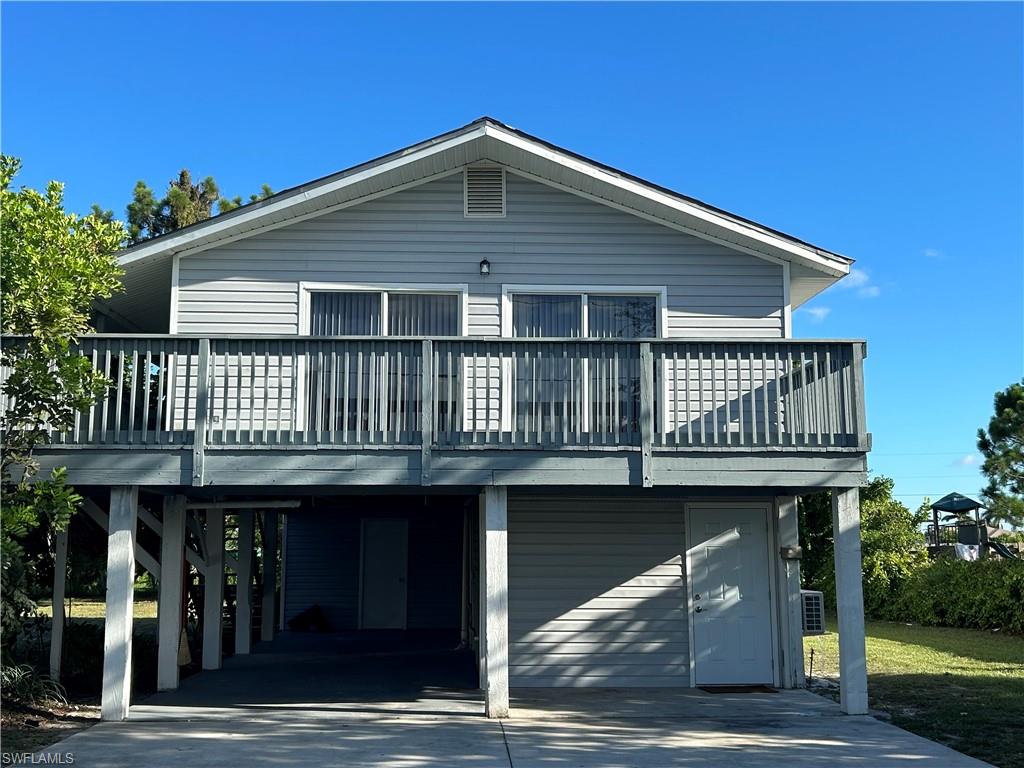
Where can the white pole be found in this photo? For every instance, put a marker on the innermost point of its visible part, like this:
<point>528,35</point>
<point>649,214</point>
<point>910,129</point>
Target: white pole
<point>496,592</point>
<point>172,569</point>
<point>117,628</point>
<point>243,591</point>
<point>213,590</point>
<point>853,677</point>
<point>791,621</point>
<point>269,576</point>
<point>60,577</point>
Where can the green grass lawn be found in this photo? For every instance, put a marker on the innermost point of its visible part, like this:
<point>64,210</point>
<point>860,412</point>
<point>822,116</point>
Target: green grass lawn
<point>961,687</point>
<point>94,608</point>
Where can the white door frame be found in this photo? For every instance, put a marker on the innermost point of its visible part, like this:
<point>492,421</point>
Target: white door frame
<point>768,507</point>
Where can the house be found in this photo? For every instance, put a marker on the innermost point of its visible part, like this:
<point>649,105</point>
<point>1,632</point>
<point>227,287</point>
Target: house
<point>487,386</point>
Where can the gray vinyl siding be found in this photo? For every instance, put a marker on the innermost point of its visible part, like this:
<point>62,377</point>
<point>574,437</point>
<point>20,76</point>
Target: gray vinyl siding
<point>323,551</point>
<point>596,592</point>
<point>548,236</point>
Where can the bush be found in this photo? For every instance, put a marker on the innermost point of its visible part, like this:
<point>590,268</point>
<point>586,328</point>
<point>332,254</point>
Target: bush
<point>985,594</point>
<point>21,683</point>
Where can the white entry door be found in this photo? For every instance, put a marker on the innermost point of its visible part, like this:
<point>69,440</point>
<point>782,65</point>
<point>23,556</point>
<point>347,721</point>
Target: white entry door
<point>730,595</point>
<point>385,556</point>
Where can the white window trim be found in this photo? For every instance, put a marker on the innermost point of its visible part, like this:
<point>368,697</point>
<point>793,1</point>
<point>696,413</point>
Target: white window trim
<point>659,292</point>
<point>465,194</point>
<point>306,289</point>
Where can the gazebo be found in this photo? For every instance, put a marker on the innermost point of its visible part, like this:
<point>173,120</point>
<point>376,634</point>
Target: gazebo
<point>954,504</point>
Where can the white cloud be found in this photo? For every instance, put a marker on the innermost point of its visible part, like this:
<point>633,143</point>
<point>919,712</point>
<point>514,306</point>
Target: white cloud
<point>857,278</point>
<point>817,313</point>
<point>968,460</point>
<point>860,280</point>
<point>933,253</point>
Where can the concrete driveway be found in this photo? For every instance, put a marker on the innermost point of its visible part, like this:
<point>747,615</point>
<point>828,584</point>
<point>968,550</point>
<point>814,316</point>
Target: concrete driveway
<point>314,708</point>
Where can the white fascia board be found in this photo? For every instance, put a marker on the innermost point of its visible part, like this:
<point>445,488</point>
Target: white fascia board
<point>176,243</point>
<point>834,267</point>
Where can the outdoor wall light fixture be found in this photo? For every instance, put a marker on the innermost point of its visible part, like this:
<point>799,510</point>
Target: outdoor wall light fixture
<point>485,267</point>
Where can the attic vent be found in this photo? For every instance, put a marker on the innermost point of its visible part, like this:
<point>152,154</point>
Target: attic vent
<point>485,191</point>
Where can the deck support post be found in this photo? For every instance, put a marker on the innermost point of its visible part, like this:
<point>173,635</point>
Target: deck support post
<point>494,573</point>
<point>243,590</point>
<point>269,579</point>
<point>172,571</point>
<point>213,590</point>
<point>853,678</point>
<point>790,619</point>
<point>117,628</point>
<point>60,577</point>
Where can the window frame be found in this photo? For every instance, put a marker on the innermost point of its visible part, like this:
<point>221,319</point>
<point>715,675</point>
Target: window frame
<point>306,289</point>
<point>659,292</point>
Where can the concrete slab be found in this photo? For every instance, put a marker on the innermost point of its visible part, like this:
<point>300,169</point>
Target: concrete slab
<point>313,707</point>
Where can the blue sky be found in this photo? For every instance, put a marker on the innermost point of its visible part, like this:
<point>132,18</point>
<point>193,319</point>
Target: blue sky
<point>888,132</point>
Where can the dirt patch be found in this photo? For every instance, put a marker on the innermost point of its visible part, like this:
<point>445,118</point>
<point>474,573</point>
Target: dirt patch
<point>29,729</point>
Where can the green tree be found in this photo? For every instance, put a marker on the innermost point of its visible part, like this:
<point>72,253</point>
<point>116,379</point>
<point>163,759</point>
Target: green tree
<point>185,202</point>
<point>55,265</point>
<point>1002,445</point>
<point>892,545</point>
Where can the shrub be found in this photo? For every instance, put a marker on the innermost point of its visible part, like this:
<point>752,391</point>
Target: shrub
<point>985,594</point>
<point>21,683</point>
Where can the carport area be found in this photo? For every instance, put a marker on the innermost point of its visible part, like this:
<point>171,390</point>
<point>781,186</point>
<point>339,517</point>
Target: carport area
<point>303,702</point>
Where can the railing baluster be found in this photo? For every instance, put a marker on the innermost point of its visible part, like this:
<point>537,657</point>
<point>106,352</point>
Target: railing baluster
<point>332,403</point>
<point>764,394</point>
<point>148,366</point>
<point>161,395</point>
<point>487,398</point>
<point>345,407</point>
<point>252,394</point>
<point>280,393</point>
<point>791,402</point>
<point>318,425</point>
<point>359,393</point>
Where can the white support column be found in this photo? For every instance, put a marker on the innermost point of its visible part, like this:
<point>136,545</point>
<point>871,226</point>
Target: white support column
<point>213,589</point>
<point>243,591</point>
<point>269,563</point>
<point>495,580</point>
<point>117,628</point>
<point>60,577</point>
<point>172,570</point>
<point>853,681</point>
<point>790,619</point>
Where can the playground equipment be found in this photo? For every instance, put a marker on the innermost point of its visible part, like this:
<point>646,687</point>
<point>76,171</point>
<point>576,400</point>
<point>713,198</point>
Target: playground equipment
<point>963,531</point>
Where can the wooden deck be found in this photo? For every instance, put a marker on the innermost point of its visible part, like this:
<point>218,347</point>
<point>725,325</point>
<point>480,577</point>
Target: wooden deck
<point>455,411</point>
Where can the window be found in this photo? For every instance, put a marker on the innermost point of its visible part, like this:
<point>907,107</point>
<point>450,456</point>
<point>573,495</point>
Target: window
<point>604,316</point>
<point>600,393</point>
<point>383,313</point>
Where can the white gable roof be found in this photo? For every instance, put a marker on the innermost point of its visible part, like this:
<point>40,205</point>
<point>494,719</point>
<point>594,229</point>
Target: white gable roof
<point>491,140</point>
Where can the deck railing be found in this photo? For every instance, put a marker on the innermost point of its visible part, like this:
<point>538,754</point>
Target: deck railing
<point>462,393</point>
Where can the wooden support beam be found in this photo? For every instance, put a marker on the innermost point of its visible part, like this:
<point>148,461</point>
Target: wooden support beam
<point>790,618</point>
<point>117,628</point>
<point>427,411</point>
<point>60,576</point>
<point>146,560</point>
<point>202,414</point>
<point>151,520</point>
<point>172,555</point>
<point>853,677</point>
<point>268,504</point>
<point>494,524</point>
<point>269,563</point>
<point>213,591</point>
<point>243,591</point>
<point>646,414</point>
